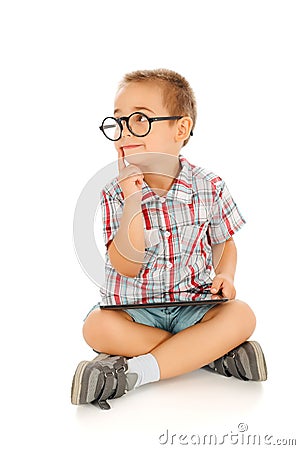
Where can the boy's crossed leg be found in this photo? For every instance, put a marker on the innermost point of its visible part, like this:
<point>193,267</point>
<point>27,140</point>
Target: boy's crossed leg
<point>222,328</point>
<point>165,355</point>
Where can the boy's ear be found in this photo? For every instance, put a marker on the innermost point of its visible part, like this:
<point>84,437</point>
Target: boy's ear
<point>184,128</point>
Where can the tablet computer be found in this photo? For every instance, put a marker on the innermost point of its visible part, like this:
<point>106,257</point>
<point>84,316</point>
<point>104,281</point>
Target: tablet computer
<point>193,298</point>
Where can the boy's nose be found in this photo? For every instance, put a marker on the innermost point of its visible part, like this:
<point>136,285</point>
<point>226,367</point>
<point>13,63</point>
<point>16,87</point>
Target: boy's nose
<point>125,130</point>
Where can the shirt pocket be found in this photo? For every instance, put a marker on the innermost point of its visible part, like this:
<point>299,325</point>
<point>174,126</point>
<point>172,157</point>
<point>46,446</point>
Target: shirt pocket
<point>190,237</point>
<point>194,230</point>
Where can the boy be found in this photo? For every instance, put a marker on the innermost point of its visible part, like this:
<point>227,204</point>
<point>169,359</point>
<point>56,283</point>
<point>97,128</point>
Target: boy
<point>168,229</point>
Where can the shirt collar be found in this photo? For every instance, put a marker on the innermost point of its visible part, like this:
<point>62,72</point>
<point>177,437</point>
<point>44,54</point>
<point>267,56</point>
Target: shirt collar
<point>181,190</point>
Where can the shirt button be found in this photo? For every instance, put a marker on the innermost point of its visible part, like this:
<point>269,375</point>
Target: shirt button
<point>169,265</point>
<point>163,199</point>
<point>167,233</point>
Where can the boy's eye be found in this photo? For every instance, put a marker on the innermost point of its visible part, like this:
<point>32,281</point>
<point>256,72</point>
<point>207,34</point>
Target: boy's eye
<point>140,118</point>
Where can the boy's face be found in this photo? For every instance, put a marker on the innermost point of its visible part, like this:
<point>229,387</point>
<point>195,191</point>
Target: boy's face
<point>145,97</point>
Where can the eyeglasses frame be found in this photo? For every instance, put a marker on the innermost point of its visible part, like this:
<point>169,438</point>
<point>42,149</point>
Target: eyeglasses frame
<point>119,120</point>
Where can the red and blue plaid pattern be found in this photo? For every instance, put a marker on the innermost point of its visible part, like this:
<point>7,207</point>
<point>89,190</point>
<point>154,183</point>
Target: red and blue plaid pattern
<point>180,229</point>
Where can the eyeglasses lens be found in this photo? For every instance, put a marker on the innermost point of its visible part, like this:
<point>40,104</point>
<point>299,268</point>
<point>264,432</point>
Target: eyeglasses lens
<point>139,124</point>
<point>111,129</point>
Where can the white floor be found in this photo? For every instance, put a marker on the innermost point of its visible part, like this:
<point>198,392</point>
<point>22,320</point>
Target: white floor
<point>181,412</point>
<point>205,403</point>
<point>168,414</point>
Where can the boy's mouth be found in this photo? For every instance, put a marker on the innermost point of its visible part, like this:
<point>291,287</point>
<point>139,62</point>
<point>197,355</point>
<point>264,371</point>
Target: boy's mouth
<point>129,147</point>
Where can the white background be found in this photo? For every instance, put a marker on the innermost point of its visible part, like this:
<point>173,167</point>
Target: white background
<point>61,62</point>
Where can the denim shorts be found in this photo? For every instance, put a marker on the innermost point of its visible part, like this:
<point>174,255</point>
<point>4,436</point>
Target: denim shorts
<point>170,318</point>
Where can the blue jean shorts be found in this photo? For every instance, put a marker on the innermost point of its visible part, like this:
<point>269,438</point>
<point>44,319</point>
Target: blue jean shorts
<point>171,318</point>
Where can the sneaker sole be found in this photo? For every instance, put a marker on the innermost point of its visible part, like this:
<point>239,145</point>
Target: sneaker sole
<point>253,361</point>
<point>83,390</point>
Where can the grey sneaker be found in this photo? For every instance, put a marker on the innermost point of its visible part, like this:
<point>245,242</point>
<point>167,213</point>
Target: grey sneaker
<point>246,362</point>
<point>98,380</point>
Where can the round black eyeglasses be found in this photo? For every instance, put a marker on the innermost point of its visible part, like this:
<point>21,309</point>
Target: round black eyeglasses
<point>137,123</point>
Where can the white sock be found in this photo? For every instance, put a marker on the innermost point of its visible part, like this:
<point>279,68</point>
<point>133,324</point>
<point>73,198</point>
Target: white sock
<point>145,367</point>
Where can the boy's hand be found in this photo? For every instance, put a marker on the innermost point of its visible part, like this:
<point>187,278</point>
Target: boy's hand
<point>130,178</point>
<point>224,284</point>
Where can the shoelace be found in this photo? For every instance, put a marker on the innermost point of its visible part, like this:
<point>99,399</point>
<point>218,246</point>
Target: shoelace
<point>109,391</point>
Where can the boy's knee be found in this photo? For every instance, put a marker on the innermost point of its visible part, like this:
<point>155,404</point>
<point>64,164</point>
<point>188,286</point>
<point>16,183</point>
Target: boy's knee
<point>246,317</point>
<point>94,328</point>
<point>100,326</point>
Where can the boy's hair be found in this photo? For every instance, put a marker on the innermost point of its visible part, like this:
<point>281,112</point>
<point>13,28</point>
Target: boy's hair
<point>178,96</point>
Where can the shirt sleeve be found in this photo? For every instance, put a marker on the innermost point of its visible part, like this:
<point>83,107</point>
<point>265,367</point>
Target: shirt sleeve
<point>111,209</point>
<point>226,218</point>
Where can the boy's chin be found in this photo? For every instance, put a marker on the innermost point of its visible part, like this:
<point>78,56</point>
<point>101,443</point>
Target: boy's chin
<point>144,159</point>
<point>138,159</point>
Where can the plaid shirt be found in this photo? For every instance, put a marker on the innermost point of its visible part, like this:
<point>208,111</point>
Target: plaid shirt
<point>179,229</point>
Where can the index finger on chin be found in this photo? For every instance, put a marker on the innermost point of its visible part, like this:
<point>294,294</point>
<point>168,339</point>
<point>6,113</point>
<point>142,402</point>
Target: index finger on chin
<point>121,163</point>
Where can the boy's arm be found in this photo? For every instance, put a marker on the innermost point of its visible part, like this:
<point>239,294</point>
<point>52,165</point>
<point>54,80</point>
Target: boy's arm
<point>224,262</point>
<point>127,250</point>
